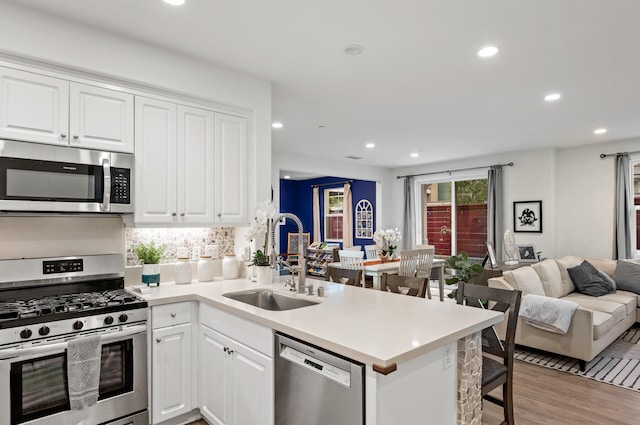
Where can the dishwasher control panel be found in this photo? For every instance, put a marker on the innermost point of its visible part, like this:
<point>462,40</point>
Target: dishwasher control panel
<point>329,371</point>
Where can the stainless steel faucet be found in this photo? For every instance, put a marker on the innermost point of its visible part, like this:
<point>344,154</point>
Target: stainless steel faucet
<point>302,261</point>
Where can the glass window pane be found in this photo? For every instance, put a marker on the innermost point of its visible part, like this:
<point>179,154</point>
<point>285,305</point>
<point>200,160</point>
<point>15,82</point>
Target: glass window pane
<point>437,217</point>
<point>636,184</point>
<point>333,228</point>
<point>471,217</point>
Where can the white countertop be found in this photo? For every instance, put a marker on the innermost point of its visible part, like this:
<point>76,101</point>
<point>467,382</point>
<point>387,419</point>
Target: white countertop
<point>370,326</point>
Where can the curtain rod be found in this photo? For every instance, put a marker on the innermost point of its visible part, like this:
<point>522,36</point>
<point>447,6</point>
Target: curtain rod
<point>510,164</point>
<point>329,184</point>
<point>606,155</point>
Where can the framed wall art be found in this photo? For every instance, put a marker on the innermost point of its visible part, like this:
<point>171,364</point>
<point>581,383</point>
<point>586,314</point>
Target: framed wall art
<point>527,216</point>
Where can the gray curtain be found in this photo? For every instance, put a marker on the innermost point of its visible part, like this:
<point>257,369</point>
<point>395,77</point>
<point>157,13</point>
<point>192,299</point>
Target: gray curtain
<point>409,230</point>
<point>495,204</point>
<point>622,209</point>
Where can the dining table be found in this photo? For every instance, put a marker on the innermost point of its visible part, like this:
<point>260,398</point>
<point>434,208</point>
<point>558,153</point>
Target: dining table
<point>375,268</point>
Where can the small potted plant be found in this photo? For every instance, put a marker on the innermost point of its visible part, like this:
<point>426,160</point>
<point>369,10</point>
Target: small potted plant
<point>150,256</point>
<point>263,267</point>
<point>465,270</point>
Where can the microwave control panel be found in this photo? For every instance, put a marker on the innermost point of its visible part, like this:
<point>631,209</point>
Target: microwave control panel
<point>120,185</point>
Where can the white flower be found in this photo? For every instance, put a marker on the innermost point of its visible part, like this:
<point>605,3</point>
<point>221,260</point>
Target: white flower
<point>384,239</point>
<point>265,211</point>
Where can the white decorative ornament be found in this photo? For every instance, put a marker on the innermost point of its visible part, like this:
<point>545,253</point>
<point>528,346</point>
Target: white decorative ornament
<point>510,248</point>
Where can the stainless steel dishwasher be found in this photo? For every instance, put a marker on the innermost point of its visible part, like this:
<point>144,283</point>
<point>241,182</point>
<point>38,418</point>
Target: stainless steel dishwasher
<point>316,387</point>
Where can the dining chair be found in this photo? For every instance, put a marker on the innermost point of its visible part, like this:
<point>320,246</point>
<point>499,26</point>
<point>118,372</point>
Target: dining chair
<point>424,246</point>
<point>353,248</point>
<point>415,286</point>
<point>344,276</point>
<point>496,373</point>
<point>408,262</point>
<point>371,252</point>
<point>352,260</point>
<point>425,262</point>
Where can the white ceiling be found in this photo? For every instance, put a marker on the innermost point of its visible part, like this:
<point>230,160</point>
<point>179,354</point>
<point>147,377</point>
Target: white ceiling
<point>419,85</point>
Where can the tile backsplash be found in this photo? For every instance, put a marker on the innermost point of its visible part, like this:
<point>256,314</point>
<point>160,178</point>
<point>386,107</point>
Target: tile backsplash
<point>174,238</point>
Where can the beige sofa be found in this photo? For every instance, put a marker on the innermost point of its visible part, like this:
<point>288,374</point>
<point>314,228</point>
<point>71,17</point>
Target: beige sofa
<point>597,322</point>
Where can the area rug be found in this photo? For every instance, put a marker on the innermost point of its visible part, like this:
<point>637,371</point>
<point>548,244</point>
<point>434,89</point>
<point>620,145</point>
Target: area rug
<point>618,364</point>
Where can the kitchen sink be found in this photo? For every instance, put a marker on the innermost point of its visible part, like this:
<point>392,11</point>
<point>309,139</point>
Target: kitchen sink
<point>268,299</point>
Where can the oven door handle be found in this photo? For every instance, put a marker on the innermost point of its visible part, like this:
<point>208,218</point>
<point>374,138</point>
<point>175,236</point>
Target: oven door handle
<point>41,349</point>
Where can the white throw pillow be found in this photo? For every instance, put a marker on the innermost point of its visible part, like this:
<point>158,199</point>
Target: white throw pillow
<point>550,276</point>
<point>525,279</point>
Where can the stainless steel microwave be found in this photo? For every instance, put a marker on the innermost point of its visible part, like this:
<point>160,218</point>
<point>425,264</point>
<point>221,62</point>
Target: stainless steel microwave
<point>36,177</point>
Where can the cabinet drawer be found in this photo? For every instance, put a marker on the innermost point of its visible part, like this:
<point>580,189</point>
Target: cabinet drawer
<point>170,314</point>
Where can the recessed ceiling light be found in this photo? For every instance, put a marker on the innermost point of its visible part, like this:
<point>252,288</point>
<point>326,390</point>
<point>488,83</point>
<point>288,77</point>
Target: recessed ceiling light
<point>174,2</point>
<point>600,131</point>
<point>287,177</point>
<point>370,145</point>
<point>276,125</point>
<point>353,49</point>
<point>552,97</point>
<point>488,51</point>
<point>415,155</point>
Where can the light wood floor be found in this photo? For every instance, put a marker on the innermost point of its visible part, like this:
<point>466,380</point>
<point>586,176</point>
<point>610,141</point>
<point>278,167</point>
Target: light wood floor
<point>547,397</point>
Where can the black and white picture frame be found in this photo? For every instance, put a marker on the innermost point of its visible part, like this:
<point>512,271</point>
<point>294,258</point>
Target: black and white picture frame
<point>527,254</point>
<point>527,216</point>
<point>492,255</point>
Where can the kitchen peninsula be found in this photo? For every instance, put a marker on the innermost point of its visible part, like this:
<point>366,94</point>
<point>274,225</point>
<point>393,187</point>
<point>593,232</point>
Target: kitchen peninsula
<point>410,346</point>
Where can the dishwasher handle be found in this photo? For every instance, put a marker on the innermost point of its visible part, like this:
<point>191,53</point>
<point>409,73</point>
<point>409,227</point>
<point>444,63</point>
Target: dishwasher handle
<point>313,364</point>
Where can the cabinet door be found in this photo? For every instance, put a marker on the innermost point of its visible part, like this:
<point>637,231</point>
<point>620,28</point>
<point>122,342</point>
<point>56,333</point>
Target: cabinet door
<point>155,180</point>
<point>101,119</point>
<point>215,377</point>
<point>195,165</point>
<point>33,107</point>
<point>253,381</point>
<point>171,372</point>
<point>231,169</point>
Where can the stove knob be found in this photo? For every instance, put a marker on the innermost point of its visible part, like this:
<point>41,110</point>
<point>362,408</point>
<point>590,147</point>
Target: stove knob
<point>78,325</point>
<point>44,330</point>
<point>108,320</point>
<point>123,318</point>
<point>25,333</point>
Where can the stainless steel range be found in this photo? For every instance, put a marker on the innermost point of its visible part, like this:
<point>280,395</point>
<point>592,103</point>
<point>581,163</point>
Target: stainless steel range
<point>49,308</point>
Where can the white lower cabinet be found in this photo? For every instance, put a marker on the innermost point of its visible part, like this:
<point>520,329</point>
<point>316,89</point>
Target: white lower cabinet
<point>235,380</point>
<point>172,370</point>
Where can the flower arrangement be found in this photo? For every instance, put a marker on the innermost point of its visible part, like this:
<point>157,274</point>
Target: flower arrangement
<point>384,240</point>
<point>264,214</point>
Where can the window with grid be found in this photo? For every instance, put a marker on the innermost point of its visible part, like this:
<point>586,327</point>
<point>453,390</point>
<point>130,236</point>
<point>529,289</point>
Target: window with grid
<point>333,214</point>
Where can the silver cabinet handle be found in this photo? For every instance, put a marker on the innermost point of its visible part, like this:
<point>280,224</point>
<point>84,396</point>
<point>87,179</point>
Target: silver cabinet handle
<point>158,340</point>
<point>76,137</point>
<point>62,135</point>
<point>173,315</point>
<point>173,214</point>
<point>219,214</point>
<point>181,214</point>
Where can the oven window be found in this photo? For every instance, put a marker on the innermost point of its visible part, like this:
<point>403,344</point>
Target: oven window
<point>116,370</point>
<point>39,388</point>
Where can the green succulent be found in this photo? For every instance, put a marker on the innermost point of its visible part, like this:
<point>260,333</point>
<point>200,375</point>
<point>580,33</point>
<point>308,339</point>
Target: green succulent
<point>259,259</point>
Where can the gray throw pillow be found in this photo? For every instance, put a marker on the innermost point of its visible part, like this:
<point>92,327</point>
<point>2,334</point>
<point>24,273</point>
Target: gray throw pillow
<point>627,276</point>
<point>608,278</point>
<point>588,280</point>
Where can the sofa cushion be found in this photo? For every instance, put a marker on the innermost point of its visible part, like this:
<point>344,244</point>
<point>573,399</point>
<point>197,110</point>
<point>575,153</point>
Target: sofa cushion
<point>563,264</point>
<point>607,266</point>
<point>617,310</point>
<point>629,299</point>
<point>550,277</point>
<point>588,280</point>
<point>525,279</point>
<point>627,276</point>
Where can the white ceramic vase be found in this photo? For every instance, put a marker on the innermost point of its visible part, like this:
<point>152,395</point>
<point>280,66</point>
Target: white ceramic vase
<point>263,275</point>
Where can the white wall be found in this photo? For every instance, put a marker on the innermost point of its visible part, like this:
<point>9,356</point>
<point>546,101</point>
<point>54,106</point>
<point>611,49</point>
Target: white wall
<point>34,35</point>
<point>531,178</point>
<point>585,187</point>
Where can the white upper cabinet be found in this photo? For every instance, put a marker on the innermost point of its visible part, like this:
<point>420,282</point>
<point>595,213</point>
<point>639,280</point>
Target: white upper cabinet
<point>231,169</point>
<point>175,151</point>
<point>101,119</point>
<point>42,109</point>
<point>196,152</point>
<point>156,149</point>
<point>33,107</point>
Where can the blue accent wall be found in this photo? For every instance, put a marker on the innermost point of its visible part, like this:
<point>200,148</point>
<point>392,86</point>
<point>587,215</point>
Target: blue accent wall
<point>296,196</point>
